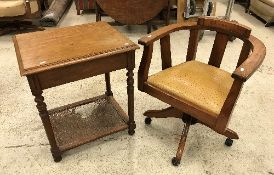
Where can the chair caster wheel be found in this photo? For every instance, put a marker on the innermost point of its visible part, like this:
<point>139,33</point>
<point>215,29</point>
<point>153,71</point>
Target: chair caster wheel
<point>228,142</point>
<point>175,161</point>
<point>148,121</point>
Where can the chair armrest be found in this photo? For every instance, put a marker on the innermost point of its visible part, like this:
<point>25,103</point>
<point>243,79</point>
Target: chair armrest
<point>147,41</point>
<point>160,33</point>
<point>253,62</point>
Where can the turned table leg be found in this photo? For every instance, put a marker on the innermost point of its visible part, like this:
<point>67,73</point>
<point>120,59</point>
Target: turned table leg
<point>43,113</point>
<point>77,7</point>
<point>130,92</point>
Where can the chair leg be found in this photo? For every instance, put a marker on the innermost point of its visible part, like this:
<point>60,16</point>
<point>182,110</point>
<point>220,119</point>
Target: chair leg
<point>149,26</point>
<point>231,134</point>
<point>163,113</point>
<point>98,12</point>
<point>77,7</point>
<point>176,160</point>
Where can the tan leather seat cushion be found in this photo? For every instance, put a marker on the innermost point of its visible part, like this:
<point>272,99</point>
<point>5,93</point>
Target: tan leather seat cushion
<point>9,8</point>
<point>263,8</point>
<point>200,85</point>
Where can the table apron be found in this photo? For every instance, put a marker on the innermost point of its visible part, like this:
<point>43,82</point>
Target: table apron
<point>63,75</point>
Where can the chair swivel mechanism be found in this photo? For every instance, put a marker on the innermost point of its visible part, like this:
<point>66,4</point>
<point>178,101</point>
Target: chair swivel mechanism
<point>198,92</point>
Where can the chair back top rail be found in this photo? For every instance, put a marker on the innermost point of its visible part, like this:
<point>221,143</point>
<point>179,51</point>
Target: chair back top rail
<point>223,26</point>
<point>204,23</point>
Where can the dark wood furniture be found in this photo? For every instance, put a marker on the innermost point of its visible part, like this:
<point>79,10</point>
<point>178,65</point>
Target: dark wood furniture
<point>55,57</point>
<point>195,91</point>
<point>84,5</point>
<point>128,11</point>
<point>16,19</point>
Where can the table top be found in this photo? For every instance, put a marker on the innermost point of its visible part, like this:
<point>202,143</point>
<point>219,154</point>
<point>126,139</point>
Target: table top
<point>117,9</point>
<point>54,48</point>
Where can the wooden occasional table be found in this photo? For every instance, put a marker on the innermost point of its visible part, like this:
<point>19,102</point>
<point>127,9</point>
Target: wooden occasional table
<point>58,56</point>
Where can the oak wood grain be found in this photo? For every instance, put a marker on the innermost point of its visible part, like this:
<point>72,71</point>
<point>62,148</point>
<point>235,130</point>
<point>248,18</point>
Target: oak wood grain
<point>144,66</point>
<point>192,44</point>
<point>218,49</point>
<point>62,75</point>
<point>165,52</point>
<point>253,62</point>
<point>223,26</point>
<point>72,54</point>
<point>153,36</point>
<point>47,52</point>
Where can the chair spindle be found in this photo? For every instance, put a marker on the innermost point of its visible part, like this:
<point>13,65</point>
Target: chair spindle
<point>244,53</point>
<point>192,44</point>
<point>144,65</point>
<point>165,52</point>
<point>218,49</point>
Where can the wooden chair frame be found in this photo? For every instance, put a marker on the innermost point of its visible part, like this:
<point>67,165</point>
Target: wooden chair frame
<point>17,21</point>
<point>252,54</point>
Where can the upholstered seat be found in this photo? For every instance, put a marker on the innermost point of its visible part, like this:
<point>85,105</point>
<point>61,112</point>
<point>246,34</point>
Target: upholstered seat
<point>18,15</point>
<point>264,9</point>
<point>12,8</point>
<point>204,86</point>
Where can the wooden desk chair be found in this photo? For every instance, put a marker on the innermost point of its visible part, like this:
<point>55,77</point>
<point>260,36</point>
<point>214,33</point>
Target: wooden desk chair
<point>198,92</point>
<point>13,14</point>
